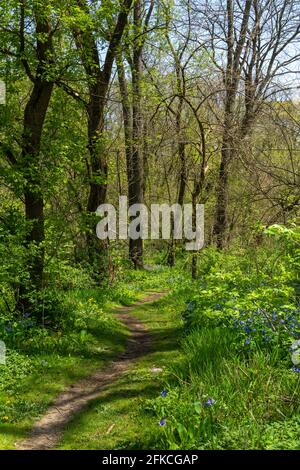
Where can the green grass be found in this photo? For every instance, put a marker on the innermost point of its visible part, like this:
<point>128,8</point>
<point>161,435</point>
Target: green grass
<point>255,398</point>
<point>41,363</point>
<point>37,371</point>
<point>120,417</point>
<point>22,403</point>
<point>256,394</point>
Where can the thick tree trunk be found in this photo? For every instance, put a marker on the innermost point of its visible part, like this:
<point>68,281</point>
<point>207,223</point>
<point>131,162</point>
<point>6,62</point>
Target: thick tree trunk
<point>98,163</point>
<point>98,172</point>
<point>34,118</point>
<point>98,79</point>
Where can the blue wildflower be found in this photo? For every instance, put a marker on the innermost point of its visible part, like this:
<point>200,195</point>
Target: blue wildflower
<point>209,402</point>
<point>295,369</point>
<point>163,393</point>
<point>162,422</point>
<point>248,341</point>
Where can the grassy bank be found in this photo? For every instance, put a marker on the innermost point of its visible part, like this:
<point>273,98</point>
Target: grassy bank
<point>42,361</point>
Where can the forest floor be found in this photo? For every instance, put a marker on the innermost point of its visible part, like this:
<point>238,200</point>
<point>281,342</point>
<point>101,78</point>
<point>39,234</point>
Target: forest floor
<point>162,363</point>
<point>101,410</point>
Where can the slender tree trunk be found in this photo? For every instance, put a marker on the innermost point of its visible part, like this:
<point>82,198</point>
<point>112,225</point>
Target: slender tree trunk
<point>136,184</point>
<point>182,172</point>
<point>221,221</point>
<point>233,71</point>
<point>194,256</point>
<point>127,118</point>
<point>145,157</point>
<point>197,192</point>
<point>133,152</point>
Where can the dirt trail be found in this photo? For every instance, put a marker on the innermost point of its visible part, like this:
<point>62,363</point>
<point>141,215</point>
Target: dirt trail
<point>47,432</point>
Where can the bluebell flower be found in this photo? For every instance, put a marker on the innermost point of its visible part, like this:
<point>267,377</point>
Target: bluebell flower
<point>295,369</point>
<point>248,341</point>
<point>209,402</point>
<point>162,422</point>
<point>242,322</point>
<point>163,393</point>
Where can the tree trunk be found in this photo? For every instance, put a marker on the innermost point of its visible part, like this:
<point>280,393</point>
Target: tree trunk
<point>135,182</point>
<point>98,79</point>
<point>182,162</point>
<point>197,191</point>
<point>33,123</point>
<point>97,249</point>
<point>221,222</point>
<point>231,81</point>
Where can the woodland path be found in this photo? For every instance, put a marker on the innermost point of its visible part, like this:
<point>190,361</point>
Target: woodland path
<point>47,432</point>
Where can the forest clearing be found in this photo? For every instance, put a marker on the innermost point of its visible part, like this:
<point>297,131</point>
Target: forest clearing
<point>149,225</point>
